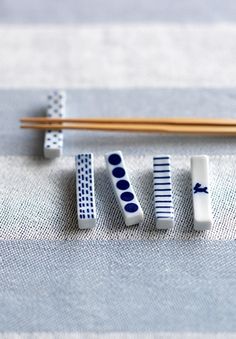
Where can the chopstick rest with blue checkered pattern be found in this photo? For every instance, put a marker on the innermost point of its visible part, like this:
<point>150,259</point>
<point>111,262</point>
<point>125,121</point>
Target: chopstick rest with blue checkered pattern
<point>86,208</point>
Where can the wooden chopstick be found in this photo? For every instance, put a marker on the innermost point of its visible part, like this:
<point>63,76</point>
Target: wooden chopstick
<point>159,121</point>
<point>148,128</point>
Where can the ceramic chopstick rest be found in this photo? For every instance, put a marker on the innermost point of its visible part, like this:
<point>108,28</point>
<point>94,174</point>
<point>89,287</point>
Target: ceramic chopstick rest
<point>201,193</point>
<point>123,190</point>
<point>53,142</point>
<point>163,192</point>
<point>86,208</point>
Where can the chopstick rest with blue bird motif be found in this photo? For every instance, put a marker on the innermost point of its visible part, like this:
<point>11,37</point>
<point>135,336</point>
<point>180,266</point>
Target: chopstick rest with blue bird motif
<point>201,193</point>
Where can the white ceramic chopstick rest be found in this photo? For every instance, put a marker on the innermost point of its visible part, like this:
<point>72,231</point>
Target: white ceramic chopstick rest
<point>53,142</point>
<point>86,208</point>
<point>123,190</point>
<point>163,192</point>
<point>201,193</point>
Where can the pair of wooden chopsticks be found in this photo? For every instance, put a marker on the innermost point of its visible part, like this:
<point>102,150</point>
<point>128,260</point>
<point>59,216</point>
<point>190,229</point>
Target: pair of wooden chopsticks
<point>223,127</point>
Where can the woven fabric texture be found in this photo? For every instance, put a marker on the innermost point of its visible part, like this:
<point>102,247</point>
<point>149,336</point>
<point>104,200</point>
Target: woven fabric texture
<point>118,285</point>
<point>113,335</point>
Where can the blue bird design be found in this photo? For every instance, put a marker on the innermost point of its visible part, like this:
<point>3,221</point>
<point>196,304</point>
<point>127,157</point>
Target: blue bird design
<point>198,189</point>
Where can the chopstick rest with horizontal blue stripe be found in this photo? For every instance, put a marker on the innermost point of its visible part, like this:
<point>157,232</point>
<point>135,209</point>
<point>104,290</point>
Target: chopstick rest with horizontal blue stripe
<point>123,190</point>
<point>53,142</point>
<point>201,193</point>
<point>163,192</point>
<point>86,208</point>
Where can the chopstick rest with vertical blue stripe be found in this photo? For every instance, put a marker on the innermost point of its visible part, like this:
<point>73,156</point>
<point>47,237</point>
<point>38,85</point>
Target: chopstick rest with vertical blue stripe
<point>86,208</point>
<point>53,142</point>
<point>163,192</point>
<point>201,193</point>
<point>123,190</point>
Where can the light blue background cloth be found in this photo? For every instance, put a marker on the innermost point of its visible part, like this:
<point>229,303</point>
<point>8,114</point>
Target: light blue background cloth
<point>59,11</point>
<point>147,286</point>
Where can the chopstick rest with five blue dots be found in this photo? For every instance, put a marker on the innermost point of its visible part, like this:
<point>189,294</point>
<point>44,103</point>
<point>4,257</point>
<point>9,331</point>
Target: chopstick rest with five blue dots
<point>201,193</point>
<point>53,142</point>
<point>86,208</point>
<point>122,188</point>
<point>163,192</point>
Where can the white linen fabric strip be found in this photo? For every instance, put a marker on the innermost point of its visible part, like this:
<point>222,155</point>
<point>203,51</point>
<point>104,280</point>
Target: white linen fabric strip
<point>38,200</point>
<point>116,56</point>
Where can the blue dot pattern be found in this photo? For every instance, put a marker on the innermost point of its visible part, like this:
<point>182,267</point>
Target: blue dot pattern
<point>131,207</point>
<point>85,182</point>
<point>122,184</point>
<point>118,172</point>
<point>127,196</point>
<point>162,187</point>
<point>114,159</point>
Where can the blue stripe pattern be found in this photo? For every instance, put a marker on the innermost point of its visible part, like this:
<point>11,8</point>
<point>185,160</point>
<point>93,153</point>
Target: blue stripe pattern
<point>162,185</point>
